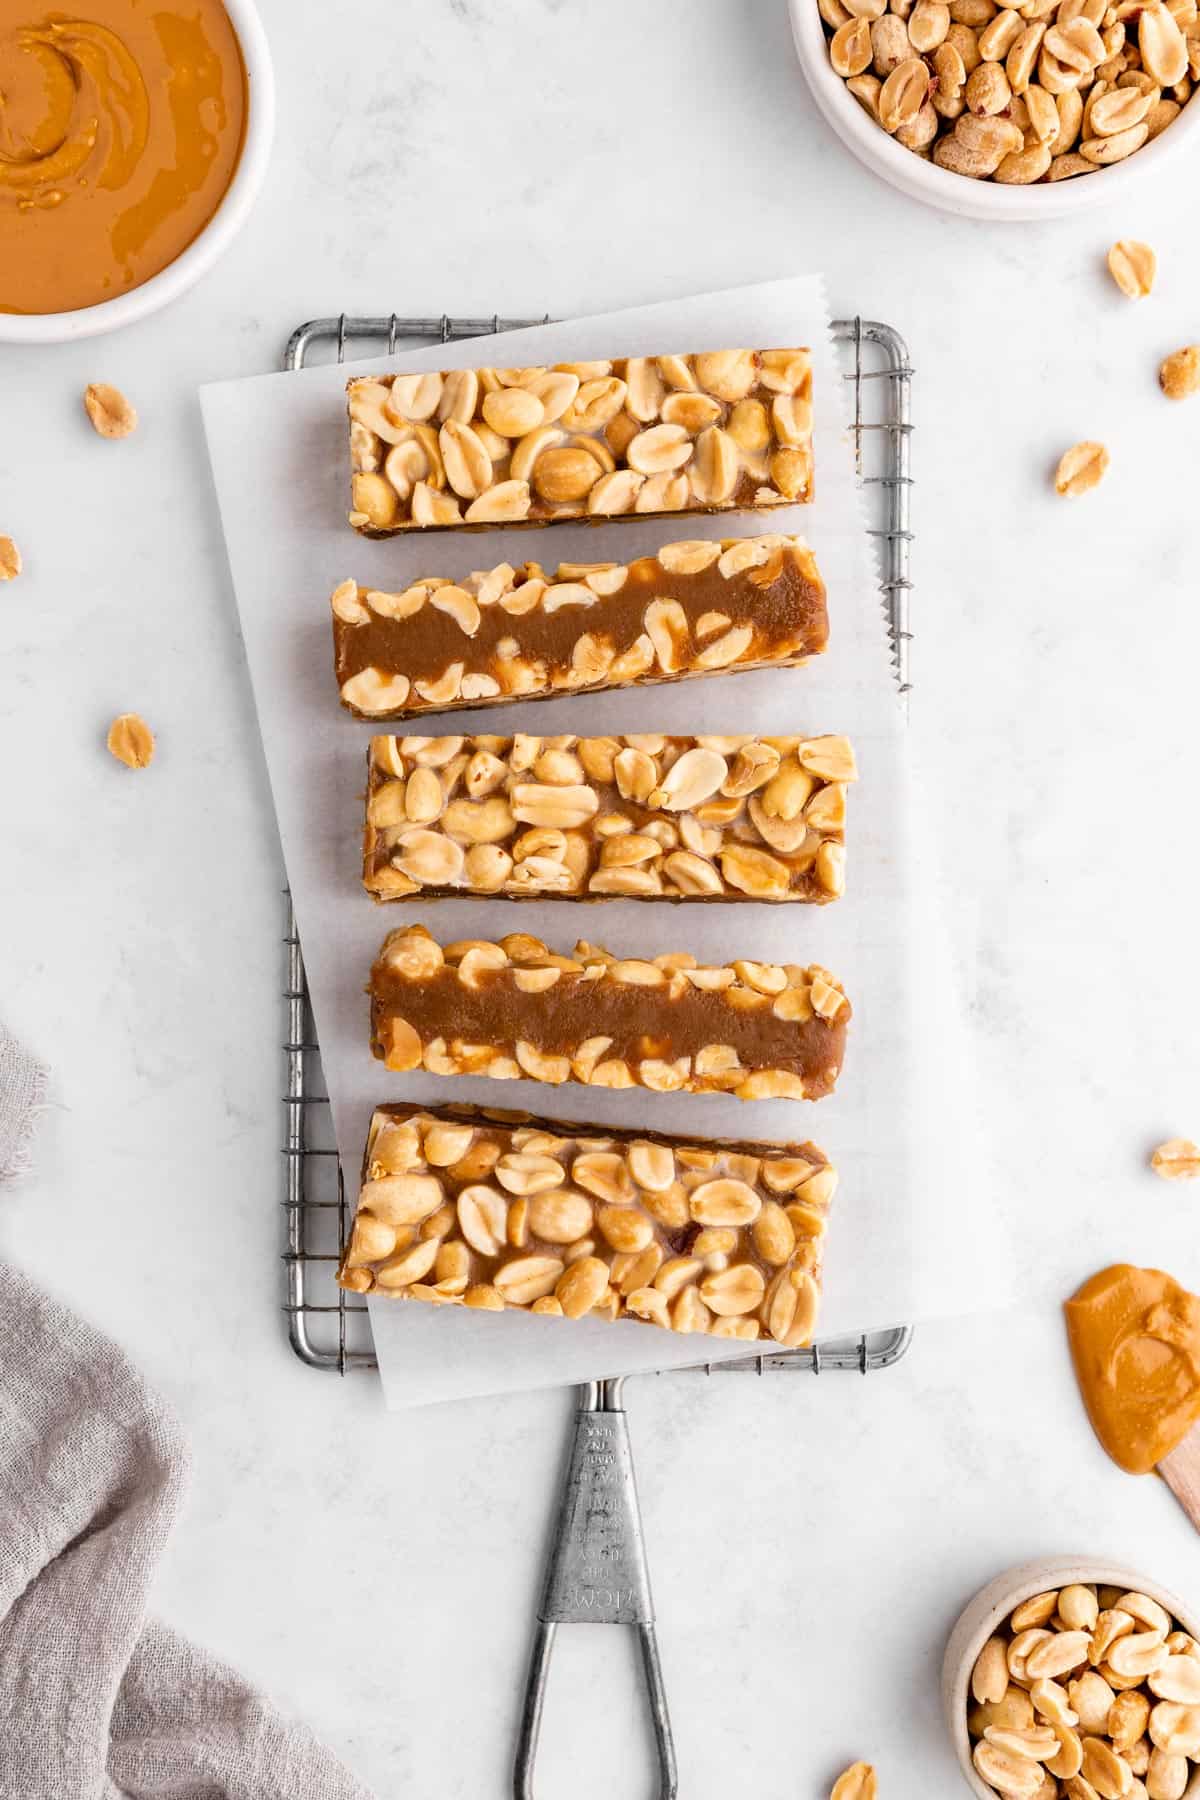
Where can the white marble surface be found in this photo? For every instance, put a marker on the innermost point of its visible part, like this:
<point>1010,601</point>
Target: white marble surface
<point>811,1541</point>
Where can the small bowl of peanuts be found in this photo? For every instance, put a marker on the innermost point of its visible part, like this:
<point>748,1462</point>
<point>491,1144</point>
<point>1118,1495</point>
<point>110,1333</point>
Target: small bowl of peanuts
<point>1075,1679</point>
<point>1005,111</point>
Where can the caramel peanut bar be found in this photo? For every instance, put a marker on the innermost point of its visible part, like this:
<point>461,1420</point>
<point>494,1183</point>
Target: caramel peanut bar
<point>647,434</point>
<point>647,817</point>
<point>510,1009</point>
<point>465,1207</point>
<point>518,634</point>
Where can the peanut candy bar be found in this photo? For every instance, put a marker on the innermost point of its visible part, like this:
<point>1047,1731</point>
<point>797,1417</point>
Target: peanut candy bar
<point>518,634</point>
<point>647,817</point>
<point>757,1030</point>
<point>465,1207</point>
<point>646,434</point>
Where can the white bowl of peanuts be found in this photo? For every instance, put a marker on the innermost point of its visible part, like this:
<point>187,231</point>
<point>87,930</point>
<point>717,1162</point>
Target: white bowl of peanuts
<point>1074,1678</point>
<point>1005,112</point>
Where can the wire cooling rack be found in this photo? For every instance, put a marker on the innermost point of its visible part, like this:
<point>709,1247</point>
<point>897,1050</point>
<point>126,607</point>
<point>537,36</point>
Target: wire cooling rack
<point>327,1328</point>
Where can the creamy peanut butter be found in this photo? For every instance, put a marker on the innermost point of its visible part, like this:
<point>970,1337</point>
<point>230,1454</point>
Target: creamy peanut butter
<point>1135,1342</point>
<point>120,131</point>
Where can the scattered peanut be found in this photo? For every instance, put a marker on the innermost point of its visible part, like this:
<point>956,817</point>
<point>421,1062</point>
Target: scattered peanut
<point>1080,468</point>
<point>1177,1160</point>
<point>1131,264</point>
<point>131,741</point>
<point>1179,375</point>
<point>858,1781</point>
<point>110,412</point>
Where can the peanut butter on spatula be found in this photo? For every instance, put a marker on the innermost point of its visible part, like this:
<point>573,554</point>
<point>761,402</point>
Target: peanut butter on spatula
<point>1135,1343</point>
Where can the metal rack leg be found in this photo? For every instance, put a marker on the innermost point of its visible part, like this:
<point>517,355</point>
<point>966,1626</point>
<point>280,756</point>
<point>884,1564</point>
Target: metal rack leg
<point>597,1574</point>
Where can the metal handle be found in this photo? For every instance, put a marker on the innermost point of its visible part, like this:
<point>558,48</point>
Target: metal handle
<point>597,1574</point>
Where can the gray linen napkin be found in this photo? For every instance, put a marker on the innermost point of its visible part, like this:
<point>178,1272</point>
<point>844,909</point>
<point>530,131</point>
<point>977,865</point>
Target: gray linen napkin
<point>97,1703</point>
<point>22,1093</point>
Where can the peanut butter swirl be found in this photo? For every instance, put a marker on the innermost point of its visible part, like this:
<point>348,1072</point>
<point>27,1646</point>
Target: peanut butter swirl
<point>120,132</point>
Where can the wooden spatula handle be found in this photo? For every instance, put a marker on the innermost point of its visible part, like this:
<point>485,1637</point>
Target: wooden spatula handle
<point>1180,1469</point>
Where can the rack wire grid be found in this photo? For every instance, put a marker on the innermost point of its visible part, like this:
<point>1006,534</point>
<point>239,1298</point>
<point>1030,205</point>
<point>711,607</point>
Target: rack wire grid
<point>327,1328</point>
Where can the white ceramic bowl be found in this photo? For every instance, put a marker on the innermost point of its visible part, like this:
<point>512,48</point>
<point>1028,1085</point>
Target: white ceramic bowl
<point>958,193</point>
<point>212,241</point>
<point>992,1605</point>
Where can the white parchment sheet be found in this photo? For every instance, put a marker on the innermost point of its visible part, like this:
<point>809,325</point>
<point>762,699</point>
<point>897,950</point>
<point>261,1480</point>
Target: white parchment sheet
<point>912,1231</point>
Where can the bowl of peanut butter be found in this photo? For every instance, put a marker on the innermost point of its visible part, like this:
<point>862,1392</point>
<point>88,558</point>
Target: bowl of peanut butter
<point>133,141</point>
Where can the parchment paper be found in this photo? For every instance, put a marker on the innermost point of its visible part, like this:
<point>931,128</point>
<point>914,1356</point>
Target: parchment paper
<point>909,1236</point>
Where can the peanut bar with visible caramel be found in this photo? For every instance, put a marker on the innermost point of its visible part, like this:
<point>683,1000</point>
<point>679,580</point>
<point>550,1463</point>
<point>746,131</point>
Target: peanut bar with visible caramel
<point>514,1008</point>
<point>705,431</point>
<point>588,818</point>
<point>696,608</point>
<point>492,1210</point>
